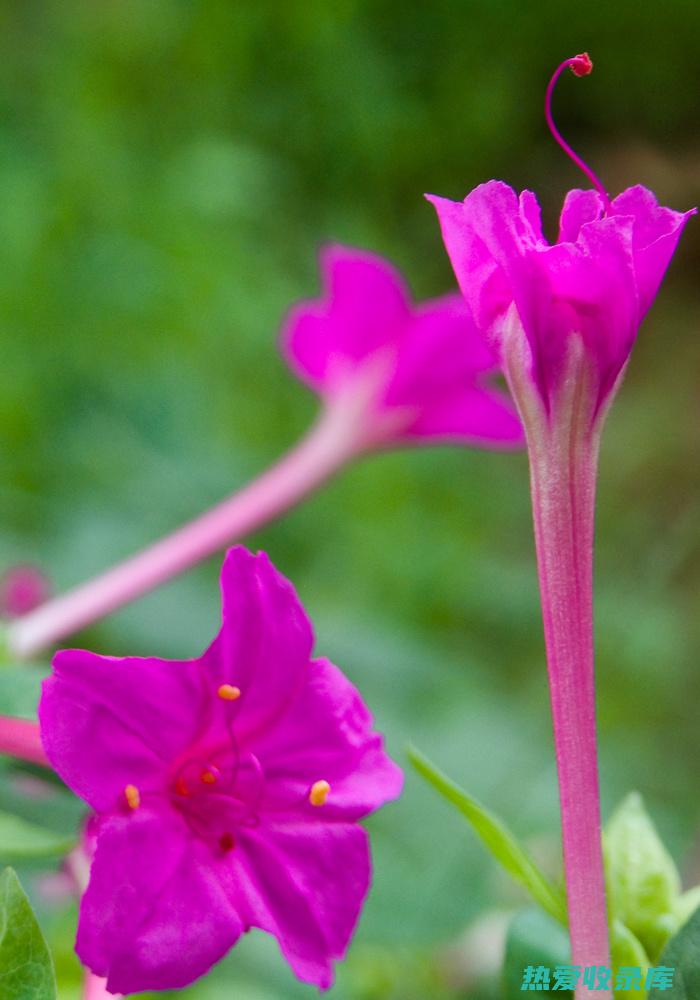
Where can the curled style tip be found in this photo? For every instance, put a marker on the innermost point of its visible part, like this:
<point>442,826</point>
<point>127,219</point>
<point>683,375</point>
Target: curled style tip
<point>580,65</point>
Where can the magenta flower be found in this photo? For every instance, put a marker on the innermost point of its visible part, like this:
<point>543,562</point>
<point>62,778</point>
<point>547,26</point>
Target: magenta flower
<point>226,792</point>
<point>417,372</point>
<point>593,286</point>
<point>563,319</point>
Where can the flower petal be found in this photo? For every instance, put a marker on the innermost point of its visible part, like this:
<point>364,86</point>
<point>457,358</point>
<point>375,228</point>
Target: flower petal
<point>579,207</point>
<point>655,234</point>
<point>477,416</point>
<point>591,291</point>
<point>305,884</point>
<point>326,735</point>
<point>482,280</point>
<point>265,641</point>
<point>365,307</point>
<point>442,362</point>
<point>108,722</point>
<point>155,915</point>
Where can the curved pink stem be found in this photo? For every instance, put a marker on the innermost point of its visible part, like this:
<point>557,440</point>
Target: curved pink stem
<point>328,446</point>
<point>581,65</point>
<point>20,738</point>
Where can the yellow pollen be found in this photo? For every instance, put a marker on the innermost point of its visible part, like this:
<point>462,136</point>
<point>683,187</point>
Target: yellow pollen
<point>227,692</point>
<point>209,777</point>
<point>319,793</point>
<point>132,796</point>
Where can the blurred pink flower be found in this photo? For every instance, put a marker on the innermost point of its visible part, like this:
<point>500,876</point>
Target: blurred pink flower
<point>419,373</point>
<point>22,588</point>
<point>227,791</point>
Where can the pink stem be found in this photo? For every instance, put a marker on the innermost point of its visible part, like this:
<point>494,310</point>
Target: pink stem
<point>330,443</point>
<point>20,738</point>
<point>563,451</point>
<point>563,498</point>
<point>95,988</point>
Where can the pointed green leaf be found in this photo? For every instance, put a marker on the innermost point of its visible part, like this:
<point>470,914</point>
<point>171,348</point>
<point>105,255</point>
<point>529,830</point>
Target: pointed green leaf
<point>534,938</point>
<point>682,954</point>
<point>626,950</point>
<point>20,839</point>
<point>642,880</point>
<point>26,970</point>
<point>502,844</point>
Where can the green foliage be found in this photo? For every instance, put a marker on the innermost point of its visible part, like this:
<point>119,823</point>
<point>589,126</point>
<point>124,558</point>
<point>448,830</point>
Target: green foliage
<point>20,840</point>
<point>643,884</point>
<point>625,949</point>
<point>687,904</point>
<point>26,971</point>
<point>682,953</point>
<point>534,938</point>
<point>496,837</point>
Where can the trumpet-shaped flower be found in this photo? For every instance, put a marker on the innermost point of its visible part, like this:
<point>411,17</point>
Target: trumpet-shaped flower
<point>594,285</point>
<point>226,792</point>
<point>419,372</point>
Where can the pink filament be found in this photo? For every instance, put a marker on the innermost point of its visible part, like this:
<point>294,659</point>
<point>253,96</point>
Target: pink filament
<point>581,66</point>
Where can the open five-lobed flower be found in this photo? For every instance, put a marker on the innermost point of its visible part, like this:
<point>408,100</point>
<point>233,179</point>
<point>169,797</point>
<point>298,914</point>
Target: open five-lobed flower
<point>226,792</point>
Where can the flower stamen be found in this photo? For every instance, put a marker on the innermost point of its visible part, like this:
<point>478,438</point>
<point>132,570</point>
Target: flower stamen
<point>210,776</point>
<point>229,692</point>
<point>132,796</point>
<point>319,793</point>
<point>580,65</point>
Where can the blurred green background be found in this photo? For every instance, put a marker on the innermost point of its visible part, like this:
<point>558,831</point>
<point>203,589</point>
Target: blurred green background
<point>168,170</point>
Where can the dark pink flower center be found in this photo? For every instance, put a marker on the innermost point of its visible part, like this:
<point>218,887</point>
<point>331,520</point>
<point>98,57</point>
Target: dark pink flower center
<point>220,788</point>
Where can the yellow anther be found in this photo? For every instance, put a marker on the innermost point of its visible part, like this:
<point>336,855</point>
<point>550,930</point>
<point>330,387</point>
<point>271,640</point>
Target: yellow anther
<point>209,777</point>
<point>319,793</point>
<point>132,796</point>
<point>227,692</point>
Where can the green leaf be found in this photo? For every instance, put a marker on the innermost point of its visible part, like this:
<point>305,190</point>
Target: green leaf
<point>533,939</point>
<point>626,950</point>
<point>497,838</point>
<point>26,969</point>
<point>642,880</point>
<point>686,905</point>
<point>682,953</point>
<point>20,839</point>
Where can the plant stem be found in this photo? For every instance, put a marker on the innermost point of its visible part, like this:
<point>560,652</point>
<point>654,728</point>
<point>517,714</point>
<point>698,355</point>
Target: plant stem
<point>331,442</point>
<point>563,490</point>
<point>20,738</point>
<point>563,444</point>
<point>95,988</point>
